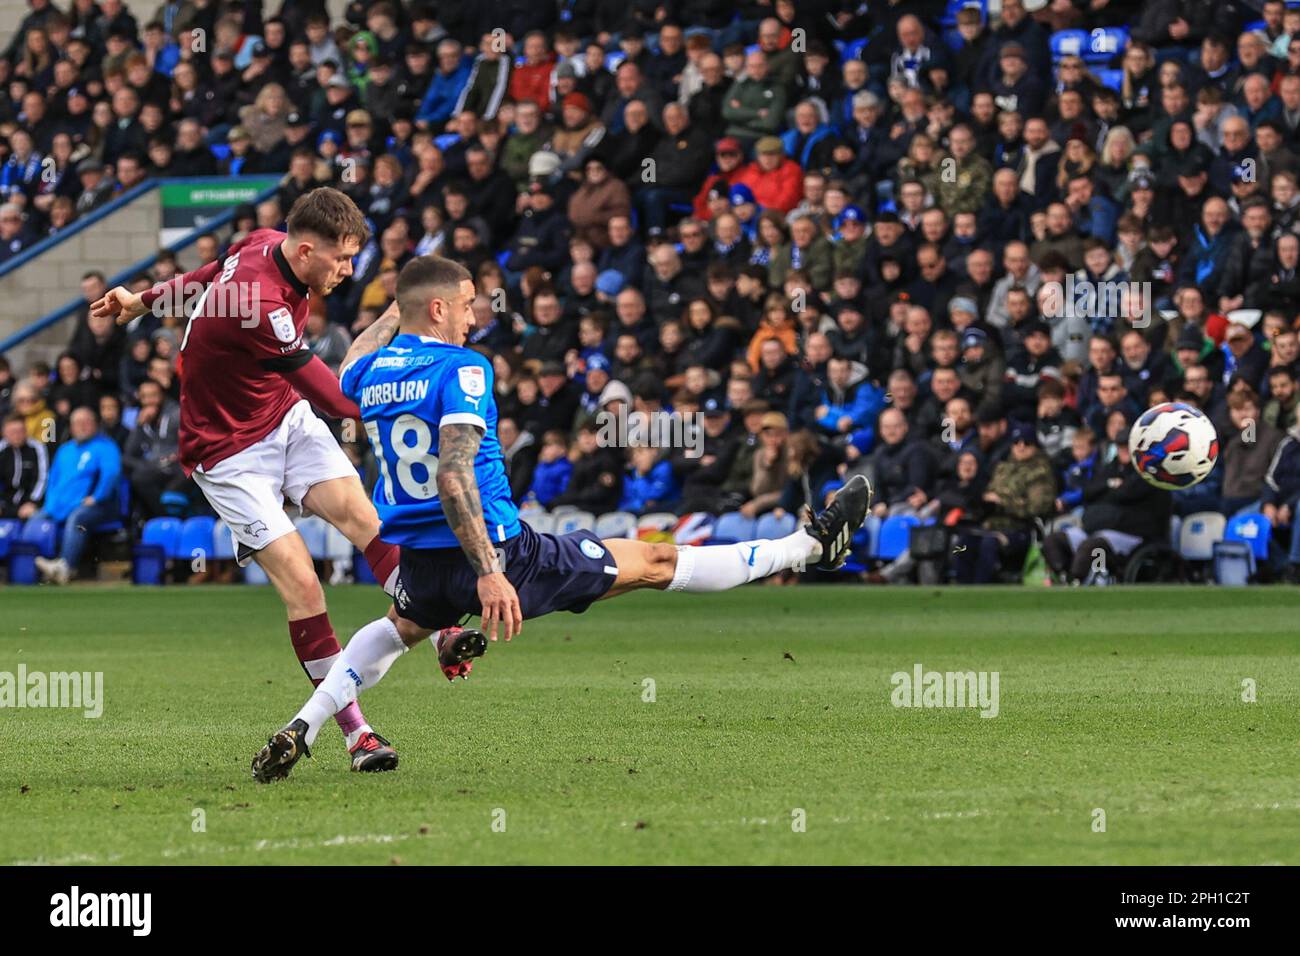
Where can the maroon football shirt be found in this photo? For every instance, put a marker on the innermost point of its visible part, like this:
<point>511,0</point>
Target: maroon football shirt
<point>245,330</point>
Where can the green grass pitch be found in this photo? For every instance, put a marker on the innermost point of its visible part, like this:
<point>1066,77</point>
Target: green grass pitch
<point>771,706</point>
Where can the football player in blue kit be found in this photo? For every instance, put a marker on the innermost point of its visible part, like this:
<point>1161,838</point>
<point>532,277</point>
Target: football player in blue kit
<point>443,496</point>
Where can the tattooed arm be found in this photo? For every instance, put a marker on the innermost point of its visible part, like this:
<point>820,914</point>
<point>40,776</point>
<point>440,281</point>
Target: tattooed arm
<point>379,333</point>
<point>458,492</point>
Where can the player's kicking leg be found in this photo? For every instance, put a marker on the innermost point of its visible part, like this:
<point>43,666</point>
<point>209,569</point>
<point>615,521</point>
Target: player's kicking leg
<point>247,491</point>
<point>289,567</point>
<point>369,655</point>
<point>377,646</point>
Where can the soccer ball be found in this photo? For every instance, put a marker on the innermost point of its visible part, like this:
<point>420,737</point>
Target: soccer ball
<point>1173,445</point>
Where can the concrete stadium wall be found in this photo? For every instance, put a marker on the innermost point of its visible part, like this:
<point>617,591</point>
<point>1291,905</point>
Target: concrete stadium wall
<point>53,278</point>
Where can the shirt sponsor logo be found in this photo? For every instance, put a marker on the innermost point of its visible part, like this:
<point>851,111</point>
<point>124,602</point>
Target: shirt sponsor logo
<point>401,361</point>
<point>386,392</point>
<point>472,380</point>
<point>282,325</point>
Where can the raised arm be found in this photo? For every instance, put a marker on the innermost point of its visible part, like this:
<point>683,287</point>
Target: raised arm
<point>124,305</point>
<point>458,493</point>
<point>378,334</point>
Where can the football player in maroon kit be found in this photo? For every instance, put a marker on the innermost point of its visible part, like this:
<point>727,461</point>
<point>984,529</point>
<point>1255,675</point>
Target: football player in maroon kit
<point>248,435</point>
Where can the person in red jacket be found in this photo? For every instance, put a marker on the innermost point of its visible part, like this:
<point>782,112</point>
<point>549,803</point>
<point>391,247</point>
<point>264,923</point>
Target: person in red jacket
<point>534,78</point>
<point>730,160</point>
<point>775,180</point>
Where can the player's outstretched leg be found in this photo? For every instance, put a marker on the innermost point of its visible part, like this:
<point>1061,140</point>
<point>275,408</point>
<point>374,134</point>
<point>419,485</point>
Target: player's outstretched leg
<point>289,567</point>
<point>825,541</point>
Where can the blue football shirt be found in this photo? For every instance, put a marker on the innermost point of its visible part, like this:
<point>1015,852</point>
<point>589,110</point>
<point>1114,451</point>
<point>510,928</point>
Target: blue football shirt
<point>406,391</point>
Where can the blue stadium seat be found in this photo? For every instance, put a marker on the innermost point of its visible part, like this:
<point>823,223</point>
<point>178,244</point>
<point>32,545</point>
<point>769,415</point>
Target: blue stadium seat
<point>11,529</point>
<point>1112,79</point>
<point>1068,43</point>
<point>164,532</point>
<point>1104,43</point>
<point>361,573</point>
<point>22,562</point>
<point>770,526</point>
<point>1252,528</point>
<point>253,574</point>
<point>44,533</point>
<point>733,527</point>
<point>223,542</point>
<point>149,562</point>
<point>612,60</point>
<point>124,510</point>
<point>197,538</point>
<point>895,533</point>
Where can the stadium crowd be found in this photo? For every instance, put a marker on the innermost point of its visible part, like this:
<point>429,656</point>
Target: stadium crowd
<point>838,233</point>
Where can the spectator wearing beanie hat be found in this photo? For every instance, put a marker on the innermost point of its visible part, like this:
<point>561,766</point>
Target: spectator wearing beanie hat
<point>579,133</point>
<point>981,368</point>
<point>729,161</point>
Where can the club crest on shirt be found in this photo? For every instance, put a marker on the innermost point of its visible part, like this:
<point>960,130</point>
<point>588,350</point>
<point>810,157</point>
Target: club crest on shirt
<point>282,325</point>
<point>472,380</point>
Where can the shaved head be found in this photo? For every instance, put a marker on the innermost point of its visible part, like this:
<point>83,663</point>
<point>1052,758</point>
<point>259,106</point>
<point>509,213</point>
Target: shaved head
<point>435,296</point>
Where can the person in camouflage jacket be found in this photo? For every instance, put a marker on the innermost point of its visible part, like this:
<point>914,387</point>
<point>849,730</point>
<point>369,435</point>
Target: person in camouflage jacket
<point>965,177</point>
<point>1022,488</point>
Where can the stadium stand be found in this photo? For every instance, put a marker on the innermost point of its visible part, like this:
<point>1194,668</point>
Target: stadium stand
<point>954,246</point>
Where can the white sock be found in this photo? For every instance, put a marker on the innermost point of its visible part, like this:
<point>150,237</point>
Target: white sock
<point>721,567</point>
<point>362,664</point>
